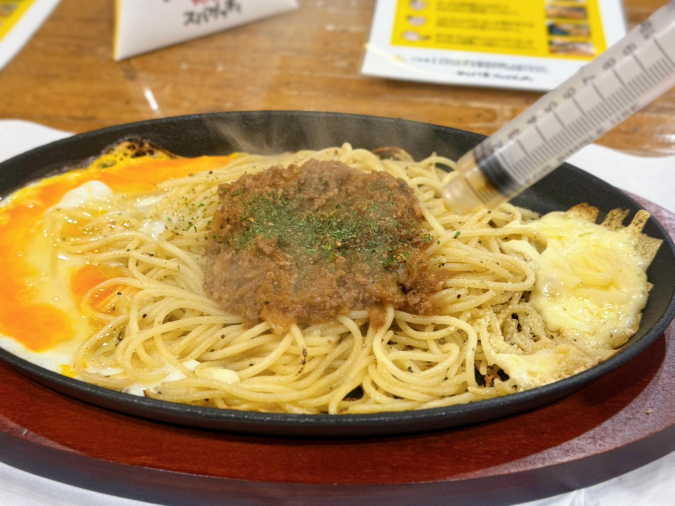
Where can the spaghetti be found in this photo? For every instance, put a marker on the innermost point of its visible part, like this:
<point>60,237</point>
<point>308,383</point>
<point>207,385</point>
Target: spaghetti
<point>159,334</point>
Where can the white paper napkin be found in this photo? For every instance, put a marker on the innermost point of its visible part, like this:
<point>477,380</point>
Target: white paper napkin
<point>18,136</point>
<point>650,177</point>
<point>653,484</point>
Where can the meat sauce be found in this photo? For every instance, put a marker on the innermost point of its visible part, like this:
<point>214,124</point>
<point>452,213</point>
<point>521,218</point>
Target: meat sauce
<point>304,244</point>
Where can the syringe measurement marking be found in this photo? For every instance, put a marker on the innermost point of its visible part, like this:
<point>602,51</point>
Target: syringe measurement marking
<point>618,96</point>
<point>615,100</point>
<point>658,44</point>
<point>644,76</point>
<point>543,152</point>
<point>570,128</point>
<point>610,105</point>
<point>584,120</point>
<point>636,80</point>
<point>576,127</point>
<point>567,136</point>
<point>590,115</point>
<point>628,93</point>
<point>628,97</point>
<point>660,69</point>
<point>555,115</point>
<point>666,66</point>
<point>604,101</point>
<point>553,140</point>
<point>624,91</point>
<point>572,131</point>
<point>655,72</point>
<point>520,165</point>
<point>616,105</point>
<point>597,109</point>
<point>618,99</point>
<point>538,130</point>
<point>560,137</point>
<point>522,146</point>
<point>538,155</point>
<point>517,165</point>
<point>600,110</point>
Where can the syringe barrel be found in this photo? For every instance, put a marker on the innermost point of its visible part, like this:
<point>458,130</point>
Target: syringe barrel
<point>625,78</point>
<point>471,189</point>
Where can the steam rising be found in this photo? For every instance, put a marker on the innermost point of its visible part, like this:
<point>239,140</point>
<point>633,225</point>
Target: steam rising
<point>273,132</point>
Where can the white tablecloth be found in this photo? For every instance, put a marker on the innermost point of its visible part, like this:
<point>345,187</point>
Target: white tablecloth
<point>653,484</point>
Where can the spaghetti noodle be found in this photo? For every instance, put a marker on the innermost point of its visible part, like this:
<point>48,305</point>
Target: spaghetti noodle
<point>159,334</point>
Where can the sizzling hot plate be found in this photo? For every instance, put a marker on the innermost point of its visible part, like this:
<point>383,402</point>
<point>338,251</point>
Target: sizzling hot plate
<point>273,132</point>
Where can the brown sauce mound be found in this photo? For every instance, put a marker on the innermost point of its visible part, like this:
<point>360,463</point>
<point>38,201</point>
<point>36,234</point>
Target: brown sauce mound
<point>304,244</point>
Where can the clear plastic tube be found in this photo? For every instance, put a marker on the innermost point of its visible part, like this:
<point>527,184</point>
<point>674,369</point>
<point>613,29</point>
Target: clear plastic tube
<point>622,80</point>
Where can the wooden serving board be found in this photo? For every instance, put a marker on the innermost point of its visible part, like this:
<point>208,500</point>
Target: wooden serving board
<point>620,422</point>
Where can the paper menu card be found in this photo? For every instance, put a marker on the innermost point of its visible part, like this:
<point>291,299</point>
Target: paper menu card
<point>19,20</point>
<point>522,44</point>
<point>145,25</point>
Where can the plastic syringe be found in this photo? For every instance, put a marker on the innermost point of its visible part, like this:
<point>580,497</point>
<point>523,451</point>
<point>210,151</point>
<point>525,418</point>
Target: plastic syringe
<point>622,80</point>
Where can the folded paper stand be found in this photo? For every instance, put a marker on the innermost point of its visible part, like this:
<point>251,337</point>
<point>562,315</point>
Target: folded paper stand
<point>19,20</point>
<point>145,26</point>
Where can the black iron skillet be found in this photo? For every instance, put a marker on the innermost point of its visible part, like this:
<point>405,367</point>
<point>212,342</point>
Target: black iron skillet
<point>266,132</point>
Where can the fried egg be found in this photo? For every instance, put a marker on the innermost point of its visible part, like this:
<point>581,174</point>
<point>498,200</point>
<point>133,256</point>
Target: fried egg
<point>40,319</point>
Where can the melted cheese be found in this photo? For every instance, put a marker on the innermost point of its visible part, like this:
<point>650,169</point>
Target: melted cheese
<point>170,374</point>
<point>225,375</point>
<point>544,366</point>
<point>591,286</point>
<point>153,228</point>
<point>591,281</point>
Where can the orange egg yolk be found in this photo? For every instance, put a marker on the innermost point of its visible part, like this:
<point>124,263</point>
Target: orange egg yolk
<point>40,326</point>
<point>89,276</point>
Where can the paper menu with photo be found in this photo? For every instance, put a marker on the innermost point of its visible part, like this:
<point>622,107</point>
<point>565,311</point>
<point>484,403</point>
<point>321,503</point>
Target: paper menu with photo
<point>19,20</point>
<point>146,25</point>
<point>524,44</point>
